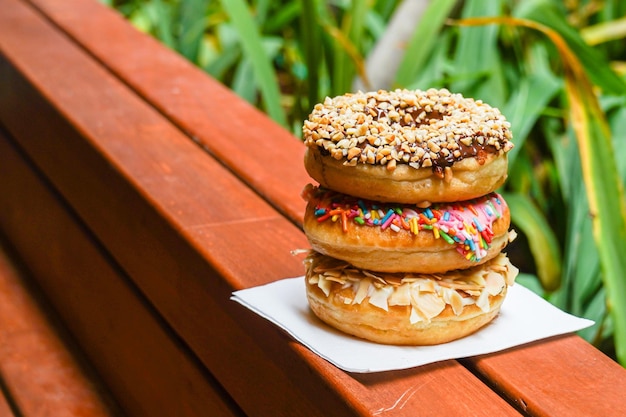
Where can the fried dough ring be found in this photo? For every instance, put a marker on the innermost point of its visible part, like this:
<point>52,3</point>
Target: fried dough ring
<point>380,248</point>
<point>407,146</point>
<point>335,301</point>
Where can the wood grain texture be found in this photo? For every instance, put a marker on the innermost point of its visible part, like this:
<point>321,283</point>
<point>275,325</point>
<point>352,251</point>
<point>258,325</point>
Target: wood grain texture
<point>174,94</point>
<point>561,376</point>
<point>5,407</point>
<point>144,366</point>
<point>263,154</point>
<point>37,369</point>
<point>171,94</point>
<point>187,232</point>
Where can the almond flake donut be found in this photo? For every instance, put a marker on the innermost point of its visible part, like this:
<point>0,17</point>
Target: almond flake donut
<point>407,146</point>
<point>404,308</point>
<point>393,237</point>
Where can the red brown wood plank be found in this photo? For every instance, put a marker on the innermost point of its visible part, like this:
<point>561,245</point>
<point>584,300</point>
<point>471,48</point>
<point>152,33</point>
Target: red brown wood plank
<point>188,233</point>
<point>37,369</point>
<point>170,93</point>
<point>146,250</point>
<point>588,384</point>
<point>5,408</point>
<point>148,372</point>
<point>259,151</point>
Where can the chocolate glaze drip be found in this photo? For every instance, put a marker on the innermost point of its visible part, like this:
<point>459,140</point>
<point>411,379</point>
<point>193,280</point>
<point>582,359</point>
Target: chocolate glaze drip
<point>433,115</point>
<point>475,149</point>
<point>381,113</point>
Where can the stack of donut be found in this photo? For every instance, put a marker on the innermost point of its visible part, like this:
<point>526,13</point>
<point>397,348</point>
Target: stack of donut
<point>405,226</point>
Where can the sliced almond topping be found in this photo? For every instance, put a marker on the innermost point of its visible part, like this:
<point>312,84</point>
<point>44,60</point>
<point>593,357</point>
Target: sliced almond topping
<point>362,290</point>
<point>380,296</point>
<point>483,301</point>
<point>428,304</point>
<point>415,316</point>
<point>401,296</point>
<point>494,283</point>
<point>324,285</point>
<point>454,299</point>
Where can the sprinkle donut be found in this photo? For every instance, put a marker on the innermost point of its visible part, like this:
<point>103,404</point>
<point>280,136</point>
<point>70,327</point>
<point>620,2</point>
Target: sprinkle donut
<point>405,146</point>
<point>395,237</point>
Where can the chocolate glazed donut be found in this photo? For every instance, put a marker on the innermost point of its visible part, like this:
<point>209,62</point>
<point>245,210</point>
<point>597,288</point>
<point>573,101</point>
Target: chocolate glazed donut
<point>407,146</point>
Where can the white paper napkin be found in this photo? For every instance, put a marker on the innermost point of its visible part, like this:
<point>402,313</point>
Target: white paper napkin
<point>524,317</point>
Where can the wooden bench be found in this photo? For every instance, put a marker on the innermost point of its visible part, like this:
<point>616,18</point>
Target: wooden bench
<point>41,373</point>
<point>140,193</point>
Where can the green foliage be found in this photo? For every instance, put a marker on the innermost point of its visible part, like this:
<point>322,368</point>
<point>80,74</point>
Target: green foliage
<point>554,68</point>
<point>422,42</point>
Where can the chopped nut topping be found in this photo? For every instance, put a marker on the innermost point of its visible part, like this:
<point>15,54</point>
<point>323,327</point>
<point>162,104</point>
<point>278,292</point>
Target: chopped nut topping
<point>441,128</point>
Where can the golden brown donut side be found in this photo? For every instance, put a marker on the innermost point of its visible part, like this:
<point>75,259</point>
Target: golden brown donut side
<point>406,259</point>
<point>467,179</point>
<point>392,328</point>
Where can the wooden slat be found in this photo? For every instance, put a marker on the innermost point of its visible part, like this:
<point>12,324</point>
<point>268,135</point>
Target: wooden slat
<point>182,98</point>
<point>263,154</point>
<point>588,384</point>
<point>5,408</point>
<point>188,233</point>
<point>106,200</point>
<point>36,367</point>
<point>146,369</point>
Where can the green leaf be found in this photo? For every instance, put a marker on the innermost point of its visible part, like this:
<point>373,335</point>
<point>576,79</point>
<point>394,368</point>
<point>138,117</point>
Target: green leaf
<point>477,55</point>
<point>161,15</point>
<point>423,41</point>
<point>312,46</point>
<point>596,65</point>
<point>542,242</point>
<point>261,10</point>
<point>192,25</point>
<point>531,282</point>
<point>604,31</point>
<point>433,73</point>
<point>287,16</point>
<point>581,263</point>
<point>223,62</point>
<point>607,209</point>
<point>346,52</point>
<point>244,84</point>
<point>617,121</point>
<point>596,311</point>
<point>526,105</point>
<point>249,37</point>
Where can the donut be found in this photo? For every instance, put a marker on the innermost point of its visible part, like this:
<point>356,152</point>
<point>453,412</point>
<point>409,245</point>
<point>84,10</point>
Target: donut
<point>407,146</point>
<point>394,237</point>
<point>405,308</point>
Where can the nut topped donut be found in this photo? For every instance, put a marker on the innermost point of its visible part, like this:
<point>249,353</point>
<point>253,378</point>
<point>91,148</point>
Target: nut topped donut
<point>407,146</point>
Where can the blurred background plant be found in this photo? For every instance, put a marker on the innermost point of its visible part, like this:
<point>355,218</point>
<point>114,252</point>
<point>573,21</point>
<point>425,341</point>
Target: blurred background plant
<point>554,67</point>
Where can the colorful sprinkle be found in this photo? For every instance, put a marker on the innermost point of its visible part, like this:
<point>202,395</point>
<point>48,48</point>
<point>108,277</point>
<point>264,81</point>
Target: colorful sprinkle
<point>446,237</point>
<point>466,225</point>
